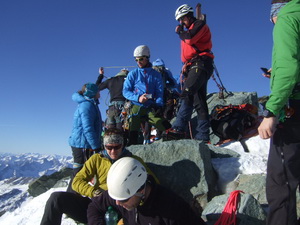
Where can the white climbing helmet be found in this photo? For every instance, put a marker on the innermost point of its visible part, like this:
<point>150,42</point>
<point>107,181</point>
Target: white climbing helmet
<point>125,177</point>
<point>182,11</point>
<point>141,50</point>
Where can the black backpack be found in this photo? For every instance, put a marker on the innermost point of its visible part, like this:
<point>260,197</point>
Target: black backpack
<point>230,122</point>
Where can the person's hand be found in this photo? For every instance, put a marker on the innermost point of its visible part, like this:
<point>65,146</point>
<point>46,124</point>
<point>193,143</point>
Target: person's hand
<point>97,192</point>
<point>143,98</point>
<point>267,127</point>
<point>179,29</point>
<point>268,75</point>
<point>101,70</point>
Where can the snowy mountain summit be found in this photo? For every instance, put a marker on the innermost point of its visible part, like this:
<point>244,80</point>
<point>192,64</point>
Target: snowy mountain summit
<point>17,171</point>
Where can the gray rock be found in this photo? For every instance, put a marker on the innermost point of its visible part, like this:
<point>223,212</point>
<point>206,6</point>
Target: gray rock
<point>254,184</point>
<point>220,152</point>
<point>44,183</point>
<point>183,166</point>
<point>249,210</point>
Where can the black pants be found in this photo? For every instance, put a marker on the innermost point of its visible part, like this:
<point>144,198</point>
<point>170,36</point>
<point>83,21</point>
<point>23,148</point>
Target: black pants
<point>74,205</point>
<point>195,87</point>
<point>283,171</point>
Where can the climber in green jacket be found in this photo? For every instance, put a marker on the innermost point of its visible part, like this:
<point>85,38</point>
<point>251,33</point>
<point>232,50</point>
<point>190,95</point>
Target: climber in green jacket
<point>281,120</point>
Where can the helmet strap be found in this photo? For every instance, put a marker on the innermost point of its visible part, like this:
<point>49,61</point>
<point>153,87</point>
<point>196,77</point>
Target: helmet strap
<point>142,195</point>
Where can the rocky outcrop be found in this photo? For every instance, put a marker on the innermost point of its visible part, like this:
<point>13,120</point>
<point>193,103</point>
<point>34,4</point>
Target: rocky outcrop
<point>44,183</point>
<point>183,165</point>
<point>249,211</point>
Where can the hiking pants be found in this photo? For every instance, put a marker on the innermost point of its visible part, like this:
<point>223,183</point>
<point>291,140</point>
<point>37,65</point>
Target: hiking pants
<point>140,114</point>
<point>114,115</point>
<point>194,97</point>
<point>74,205</point>
<point>283,171</point>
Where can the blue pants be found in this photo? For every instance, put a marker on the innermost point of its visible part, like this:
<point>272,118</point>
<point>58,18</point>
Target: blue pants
<point>194,97</point>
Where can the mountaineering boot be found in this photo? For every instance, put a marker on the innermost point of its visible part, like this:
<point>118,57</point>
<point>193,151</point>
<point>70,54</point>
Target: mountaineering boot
<point>202,131</point>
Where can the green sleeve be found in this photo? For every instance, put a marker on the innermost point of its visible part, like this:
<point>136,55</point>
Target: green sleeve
<point>285,62</point>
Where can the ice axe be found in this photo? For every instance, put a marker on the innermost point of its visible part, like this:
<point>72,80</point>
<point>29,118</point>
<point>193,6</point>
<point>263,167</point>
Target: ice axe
<point>199,14</point>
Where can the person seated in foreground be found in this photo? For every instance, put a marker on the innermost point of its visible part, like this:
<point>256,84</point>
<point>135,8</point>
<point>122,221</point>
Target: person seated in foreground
<point>135,196</point>
<point>75,205</point>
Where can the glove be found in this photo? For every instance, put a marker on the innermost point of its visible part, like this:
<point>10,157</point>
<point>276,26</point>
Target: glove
<point>179,29</point>
<point>97,192</point>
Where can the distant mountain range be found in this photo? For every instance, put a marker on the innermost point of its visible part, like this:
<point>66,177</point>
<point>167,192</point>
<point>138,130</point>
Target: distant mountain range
<point>18,170</point>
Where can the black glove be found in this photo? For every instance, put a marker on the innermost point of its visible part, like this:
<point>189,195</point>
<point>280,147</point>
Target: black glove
<point>179,29</point>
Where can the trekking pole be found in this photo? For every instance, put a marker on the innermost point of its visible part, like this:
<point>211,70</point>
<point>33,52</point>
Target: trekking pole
<point>199,15</point>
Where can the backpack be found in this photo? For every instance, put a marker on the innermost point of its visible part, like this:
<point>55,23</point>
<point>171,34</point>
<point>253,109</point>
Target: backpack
<point>230,122</point>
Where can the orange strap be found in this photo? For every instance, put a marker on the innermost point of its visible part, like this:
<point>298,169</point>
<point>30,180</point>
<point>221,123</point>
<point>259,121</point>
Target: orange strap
<point>228,216</point>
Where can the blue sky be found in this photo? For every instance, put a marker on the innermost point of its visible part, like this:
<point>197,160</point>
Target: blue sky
<point>49,49</point>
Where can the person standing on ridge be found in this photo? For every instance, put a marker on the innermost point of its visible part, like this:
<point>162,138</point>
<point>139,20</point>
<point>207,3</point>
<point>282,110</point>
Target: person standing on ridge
<point>85,138</point>
<point>117,100</point>
<point>144,88</point>
<point>197,57</point>
<point>170,93</point>
<point>281,120</point>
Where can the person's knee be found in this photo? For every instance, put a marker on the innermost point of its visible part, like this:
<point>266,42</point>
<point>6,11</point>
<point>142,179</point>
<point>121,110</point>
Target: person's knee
<point>55,199</point>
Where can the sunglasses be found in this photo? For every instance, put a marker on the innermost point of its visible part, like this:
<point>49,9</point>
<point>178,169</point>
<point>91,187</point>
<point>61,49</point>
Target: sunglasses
<point>139,59</point>
<point>117,147</point>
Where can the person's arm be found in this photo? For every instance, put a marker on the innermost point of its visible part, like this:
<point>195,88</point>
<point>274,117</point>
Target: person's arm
<point>285,72</point>
<point>101,76</point>
<point>85,175</point>
<point>286,66</point>
<point>88,116</point>
<point>171,82</point>
<point>190,33</point>
<point>159,92</point>
<point>128,87</point>
<point>98,207</point>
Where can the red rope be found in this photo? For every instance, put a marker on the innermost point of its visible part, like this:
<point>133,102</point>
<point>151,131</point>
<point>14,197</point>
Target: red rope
<point>228,216</point>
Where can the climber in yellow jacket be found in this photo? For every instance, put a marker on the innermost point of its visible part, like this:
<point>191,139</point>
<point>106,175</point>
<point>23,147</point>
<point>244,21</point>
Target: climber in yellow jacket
<point>89,182</point>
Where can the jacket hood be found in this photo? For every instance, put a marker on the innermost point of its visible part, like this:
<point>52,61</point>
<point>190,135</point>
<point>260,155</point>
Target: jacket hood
<point>76,97</point>
<point>291,7</point>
